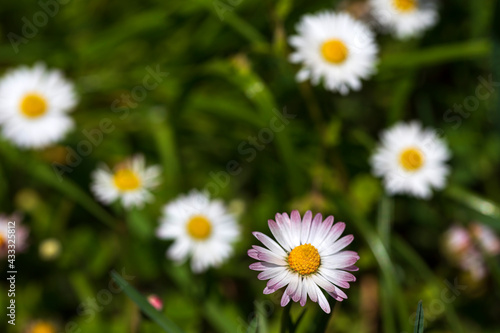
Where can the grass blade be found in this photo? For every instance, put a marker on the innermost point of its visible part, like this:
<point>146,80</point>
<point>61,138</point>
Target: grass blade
<point>46,175</point>
<point>419,320</point>
<point>143,304</point>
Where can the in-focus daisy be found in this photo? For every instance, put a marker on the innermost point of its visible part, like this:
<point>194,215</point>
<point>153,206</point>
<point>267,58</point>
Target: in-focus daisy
<point>20,231</point>
<point>335,48</point>
<point>201,228</point>
<point>307,255</point>
<point>411,160</point>
<point>34,103</point>
<point>405,18</point>
<point>130,181</point>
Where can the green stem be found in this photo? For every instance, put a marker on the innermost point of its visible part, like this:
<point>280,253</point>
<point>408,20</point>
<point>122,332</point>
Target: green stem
<point>165,143</point>
<point>385,210</point>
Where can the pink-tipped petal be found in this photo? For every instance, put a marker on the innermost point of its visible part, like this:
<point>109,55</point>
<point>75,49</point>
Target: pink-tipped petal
<point>280,235</point>
<point>340,260</point>
<point>331,248</point>
<point>323,230</point>
<point>296,226</point>
<point>351,268</point>
<point>315,225</point>
<point>270,273</point>
<point>285,299</point>
<point>306,227</point>
<point>311,290</point>
<point>253,254</point>
<point>269,243</point>
<point>323,303</point>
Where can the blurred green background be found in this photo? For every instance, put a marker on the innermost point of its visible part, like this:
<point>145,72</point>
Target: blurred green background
<point>227,71</point>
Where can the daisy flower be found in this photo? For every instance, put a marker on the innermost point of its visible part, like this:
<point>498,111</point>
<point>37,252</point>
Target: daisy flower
<point>33,106</point>
<point>335,48</point>
<point>306,256</point>
<point>405,18</point>
<point>201,228</point>
<point>41,326</point>
<point>21,235</point>
<point>130,181</point>
<point>486,238</point>
<point>411,160</point>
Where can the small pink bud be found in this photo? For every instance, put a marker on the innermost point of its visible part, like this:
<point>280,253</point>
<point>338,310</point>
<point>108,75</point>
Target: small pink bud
<point>156,302</point>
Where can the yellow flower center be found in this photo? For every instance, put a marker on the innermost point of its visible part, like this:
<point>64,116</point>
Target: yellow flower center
<point>304,259</point>
<point>334,51</point>
<point>199,227</point>
<point>405,5</point>
<point>43,327</point>
<point>411,159</point>
<point>33,106</point>
<point>126,180</point>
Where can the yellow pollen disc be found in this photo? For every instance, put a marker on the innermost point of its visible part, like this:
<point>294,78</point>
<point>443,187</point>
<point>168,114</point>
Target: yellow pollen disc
<point>199,227</point>
<point>334,51</point>
<point>411,159</point>
<point>43,328</point>
<point>126,180</point>
<point>3,241</point>
<point>405,5</point>
<point>304,259</point>
<point>33,106</point>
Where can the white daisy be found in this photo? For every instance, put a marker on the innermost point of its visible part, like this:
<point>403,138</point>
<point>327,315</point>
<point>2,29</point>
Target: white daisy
<point>411,160</point>
<point>131,181</point>
<point>336,48</point>
<point>306,256</point>
<point>405,18</point>
<point>33,106</point>
<point>202,229</point>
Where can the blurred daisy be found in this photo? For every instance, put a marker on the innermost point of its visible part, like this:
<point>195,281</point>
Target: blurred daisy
<point>21,235</point>
<point>131,182</point>
<point>405,18</point>
<point>201,228</point>
<point>33,106</point>
<point>465,248</point>
<point>486,238</point>
<point>336,48</point>
<point>41,326</point>
<point>411,160</point>
<point>306,256</point>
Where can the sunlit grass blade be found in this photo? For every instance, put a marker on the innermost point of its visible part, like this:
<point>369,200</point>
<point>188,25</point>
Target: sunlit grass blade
<point>419,320</point>
<point>436,55</point>
<point>476,203</point>
<point>384,220</point>
<point>42,172</point>
<point>143,304</point>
